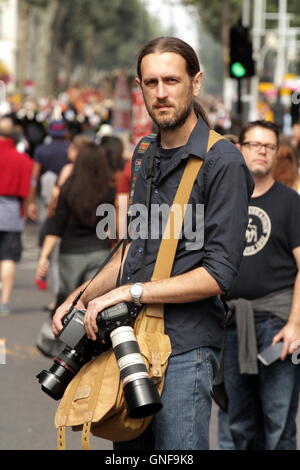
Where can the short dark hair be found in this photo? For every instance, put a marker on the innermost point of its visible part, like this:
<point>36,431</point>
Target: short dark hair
<point>271,126</point>
<point>178,46</point>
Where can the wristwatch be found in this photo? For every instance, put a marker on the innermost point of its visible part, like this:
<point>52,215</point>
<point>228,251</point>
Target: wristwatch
<point>136,292</point>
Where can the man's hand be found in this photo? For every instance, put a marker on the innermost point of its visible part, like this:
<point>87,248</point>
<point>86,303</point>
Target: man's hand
<point>57,325</point>
<point>97,305</point>
<point>31,211</point>
<point>43,267</point>
<point>289,334</point>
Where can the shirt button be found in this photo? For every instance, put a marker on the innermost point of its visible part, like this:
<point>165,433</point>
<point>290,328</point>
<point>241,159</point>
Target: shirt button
<point>140,250</point>
<point>156,191</point>
<point>128,278</point>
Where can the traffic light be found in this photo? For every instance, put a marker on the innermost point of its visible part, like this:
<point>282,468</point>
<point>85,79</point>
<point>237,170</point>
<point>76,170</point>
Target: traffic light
<point>241,63</point>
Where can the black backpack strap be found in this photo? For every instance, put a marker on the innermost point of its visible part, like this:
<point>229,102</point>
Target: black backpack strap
<point>137,158</point>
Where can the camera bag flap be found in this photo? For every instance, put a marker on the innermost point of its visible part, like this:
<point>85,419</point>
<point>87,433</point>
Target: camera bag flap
<point>95,395</point>
<point>94,400</point>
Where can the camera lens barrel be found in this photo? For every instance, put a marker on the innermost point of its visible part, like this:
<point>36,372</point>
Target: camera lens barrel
<point>55,380</point>
<point>141,396</point>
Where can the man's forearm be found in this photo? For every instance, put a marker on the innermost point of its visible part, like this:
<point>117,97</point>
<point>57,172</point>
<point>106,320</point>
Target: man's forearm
<point>295,309</point>
<point>34,183</point>
<point>290,333</point>
<point>188,287</point>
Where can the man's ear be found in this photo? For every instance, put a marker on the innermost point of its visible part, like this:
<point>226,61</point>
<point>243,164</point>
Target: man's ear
<point>197,83</point>
<point>238,146</point>
<point>138,81</point>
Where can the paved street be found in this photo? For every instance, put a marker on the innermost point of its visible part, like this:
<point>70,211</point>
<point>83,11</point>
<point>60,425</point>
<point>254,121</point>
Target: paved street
<point>26,413</point>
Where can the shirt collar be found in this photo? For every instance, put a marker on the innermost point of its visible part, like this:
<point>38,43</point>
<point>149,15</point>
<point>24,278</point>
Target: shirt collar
<point>197,142</point>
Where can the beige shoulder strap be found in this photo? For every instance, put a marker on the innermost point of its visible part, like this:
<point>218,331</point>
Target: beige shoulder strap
<point>168,246</point>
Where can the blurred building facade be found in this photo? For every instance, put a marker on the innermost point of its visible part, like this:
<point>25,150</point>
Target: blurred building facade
<point>8,41</point>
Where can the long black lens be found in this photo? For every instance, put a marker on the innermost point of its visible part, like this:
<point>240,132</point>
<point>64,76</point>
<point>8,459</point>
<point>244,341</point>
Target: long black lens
<point>141,396</point>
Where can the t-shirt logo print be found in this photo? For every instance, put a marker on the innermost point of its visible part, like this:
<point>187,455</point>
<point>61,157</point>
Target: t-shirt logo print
<point>258,230</point>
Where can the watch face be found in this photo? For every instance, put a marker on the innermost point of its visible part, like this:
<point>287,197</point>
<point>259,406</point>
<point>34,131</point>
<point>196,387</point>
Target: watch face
<point>136,290</point>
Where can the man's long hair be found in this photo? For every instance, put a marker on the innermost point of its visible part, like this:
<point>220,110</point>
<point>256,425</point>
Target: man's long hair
<point>172,44</point>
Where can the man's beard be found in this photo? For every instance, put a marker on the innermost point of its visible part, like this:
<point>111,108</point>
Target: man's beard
<point>171,123</point>
<point>261,173</point>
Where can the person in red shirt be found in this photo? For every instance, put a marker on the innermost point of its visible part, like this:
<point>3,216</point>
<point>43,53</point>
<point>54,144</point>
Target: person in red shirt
<point>16,171</point>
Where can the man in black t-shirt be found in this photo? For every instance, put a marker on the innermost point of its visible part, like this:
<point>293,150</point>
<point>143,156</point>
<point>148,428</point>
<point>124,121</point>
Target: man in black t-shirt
<point>265,299</point>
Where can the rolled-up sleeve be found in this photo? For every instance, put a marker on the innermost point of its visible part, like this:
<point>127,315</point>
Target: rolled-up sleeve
<point>229,186</point>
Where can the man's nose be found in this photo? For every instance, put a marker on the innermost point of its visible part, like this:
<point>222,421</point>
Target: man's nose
<point>161,91</point>
<point>263,149</point>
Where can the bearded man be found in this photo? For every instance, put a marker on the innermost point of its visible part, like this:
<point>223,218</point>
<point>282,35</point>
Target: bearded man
<point>169,76</point>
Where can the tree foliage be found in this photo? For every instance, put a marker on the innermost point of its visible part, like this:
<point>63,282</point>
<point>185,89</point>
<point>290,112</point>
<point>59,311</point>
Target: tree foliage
<point>211,14</point>
<point>216,17</point>
<point>212,17</point>
<point>108,30</point>
<point>89,34</point>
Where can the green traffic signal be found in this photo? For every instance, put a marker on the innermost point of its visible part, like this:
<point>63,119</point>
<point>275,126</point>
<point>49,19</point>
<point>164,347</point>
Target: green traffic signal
<point>238,70</point>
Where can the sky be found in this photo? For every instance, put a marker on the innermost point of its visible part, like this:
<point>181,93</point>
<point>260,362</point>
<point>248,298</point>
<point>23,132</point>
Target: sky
<point>176,18</point>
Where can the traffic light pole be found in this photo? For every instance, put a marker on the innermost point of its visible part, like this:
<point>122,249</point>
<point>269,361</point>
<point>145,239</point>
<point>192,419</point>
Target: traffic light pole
<point>280,68</point>
<point>259,11</point>
<point>239,107</point>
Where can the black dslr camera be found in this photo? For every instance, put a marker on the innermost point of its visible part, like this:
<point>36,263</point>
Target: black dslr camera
<point>79,349</point>
<point>114,329</point>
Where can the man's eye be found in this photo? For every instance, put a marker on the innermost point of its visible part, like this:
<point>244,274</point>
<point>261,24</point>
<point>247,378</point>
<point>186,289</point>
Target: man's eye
<point>150,83</point>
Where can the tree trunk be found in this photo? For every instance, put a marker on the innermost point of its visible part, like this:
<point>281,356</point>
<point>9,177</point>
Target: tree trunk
<point>22,45</point>
<point>68,62</point>
<point>89,61</point>
<point>225,23</point>
<point>44,41</point>
<point>59,48</point>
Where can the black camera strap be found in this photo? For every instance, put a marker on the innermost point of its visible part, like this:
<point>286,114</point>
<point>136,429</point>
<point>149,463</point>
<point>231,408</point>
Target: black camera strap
<point>104,263</point>
<point>149,177</point>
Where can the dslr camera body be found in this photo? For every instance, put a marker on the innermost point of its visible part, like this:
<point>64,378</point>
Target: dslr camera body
<point>114,329</point>
<point>73,333</point>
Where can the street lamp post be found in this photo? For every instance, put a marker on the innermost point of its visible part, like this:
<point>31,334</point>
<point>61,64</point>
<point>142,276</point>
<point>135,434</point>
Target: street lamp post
<point>257,31</point>
<point>281,49</point>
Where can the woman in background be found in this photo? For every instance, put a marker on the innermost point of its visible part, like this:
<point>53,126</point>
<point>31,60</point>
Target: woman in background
<point>286,168</point>
<point>74,221</point>
<point>78,141</point>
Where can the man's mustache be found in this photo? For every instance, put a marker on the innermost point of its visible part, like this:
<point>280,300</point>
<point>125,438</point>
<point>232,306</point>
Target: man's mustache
<point>162,104</point>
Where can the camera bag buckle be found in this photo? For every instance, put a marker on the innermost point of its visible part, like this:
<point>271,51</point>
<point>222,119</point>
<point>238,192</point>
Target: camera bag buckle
<point>155,368</point>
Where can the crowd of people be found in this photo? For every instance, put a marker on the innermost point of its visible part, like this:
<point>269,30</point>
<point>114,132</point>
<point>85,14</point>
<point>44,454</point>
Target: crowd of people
<point>35,194</point>
<point>250,187</point>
